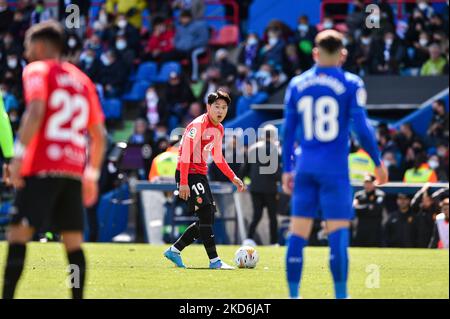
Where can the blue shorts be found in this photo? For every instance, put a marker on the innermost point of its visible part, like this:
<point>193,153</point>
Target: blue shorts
<point>331,194</point>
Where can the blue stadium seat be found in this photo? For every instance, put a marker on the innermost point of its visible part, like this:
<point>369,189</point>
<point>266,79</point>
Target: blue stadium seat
<point>112,108</point>
<point>147,71</point>
<point>137,92</point>
<point>166,69</point>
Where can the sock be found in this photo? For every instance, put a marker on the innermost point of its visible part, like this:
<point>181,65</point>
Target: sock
<point>13,269</point>
<point>189,236</point>
<point>207,236</point>
<point>294,263</point>
<point>76,258</point>
<point>214,260</point>
<point>339,241</point>
<point>175,249</point>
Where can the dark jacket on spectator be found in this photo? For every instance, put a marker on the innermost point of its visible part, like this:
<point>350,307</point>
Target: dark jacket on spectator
<point>423,221</point>
<point>399,230</point>
<point>192,36</point>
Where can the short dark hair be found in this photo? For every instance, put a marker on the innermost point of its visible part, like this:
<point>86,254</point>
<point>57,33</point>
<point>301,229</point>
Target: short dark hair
<point>441,102</point>
<point>219,95</point>
<point>49,31</point>
<point>186,13</point>
<point>330,41</point>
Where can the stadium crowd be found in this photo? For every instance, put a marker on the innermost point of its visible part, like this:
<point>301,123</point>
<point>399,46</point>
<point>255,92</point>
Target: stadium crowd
<point>115,43</point>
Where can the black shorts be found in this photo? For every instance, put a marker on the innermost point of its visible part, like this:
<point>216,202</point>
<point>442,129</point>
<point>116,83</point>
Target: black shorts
<point>201,195</point>
<point>49,203</point>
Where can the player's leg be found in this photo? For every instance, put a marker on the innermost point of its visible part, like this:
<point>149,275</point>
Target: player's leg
<point>72,242</point>
<point>304,209</point>
<point>258,206</point>
<point>191,234</point>
<point>18,236</point>
<point>68,218</point>
<point>272,206</point>
<point>336,204</point>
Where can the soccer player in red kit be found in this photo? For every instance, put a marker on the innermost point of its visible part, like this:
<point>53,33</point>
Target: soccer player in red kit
<point>50,170</point>
<point>202,137</point>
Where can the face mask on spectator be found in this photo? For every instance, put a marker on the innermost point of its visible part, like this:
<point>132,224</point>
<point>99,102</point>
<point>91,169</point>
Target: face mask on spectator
<point>121,45</point>
<point>303,27</point>
<point>103,18</point>
<point>423,42</point>
<point>122,24</point>
<point>433,164</point>
<point>365,41</point>
<point>387,163</point>
<point>389,41</point>
<point>345,41</point>
<point>12,63</point>
<point>105,60</point>
<point>422,5</point>
<point>3,8</point>
<point>252,41</point>
<point>88,59</point>
<point>273,40</point>
<point>328,25</point>
<point>72,43</point>
<point>442,152</point>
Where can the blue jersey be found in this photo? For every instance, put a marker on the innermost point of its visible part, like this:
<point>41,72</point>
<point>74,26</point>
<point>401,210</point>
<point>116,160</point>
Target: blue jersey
<point>322,106</point>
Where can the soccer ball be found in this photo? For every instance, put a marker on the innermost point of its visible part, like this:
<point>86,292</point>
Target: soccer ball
<point>246,257</point>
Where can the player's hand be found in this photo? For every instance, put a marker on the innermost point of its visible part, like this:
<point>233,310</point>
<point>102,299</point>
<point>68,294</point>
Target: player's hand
<point>381,175</point>
<point>288,183</point>
<point>90,192</point>
<point>6,174</point>
<point>184,192</point>
<point>16,179</point>
<point>239,184</point>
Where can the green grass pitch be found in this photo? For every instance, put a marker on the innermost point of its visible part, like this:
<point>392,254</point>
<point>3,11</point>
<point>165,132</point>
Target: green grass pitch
<point>140,271</point>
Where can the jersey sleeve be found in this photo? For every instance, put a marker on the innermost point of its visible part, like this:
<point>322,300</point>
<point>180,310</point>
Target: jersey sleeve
<point>191,138</point>
<point>96,115</point>
<point>35,82</point>
<point>360,124</point>
<point>290,127</point>
<point>220,160</point>
<point>6,136</point>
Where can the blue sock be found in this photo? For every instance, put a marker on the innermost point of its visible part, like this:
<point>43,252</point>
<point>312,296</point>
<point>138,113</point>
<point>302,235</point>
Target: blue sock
<point>294,263</point>
<point>339,241</point>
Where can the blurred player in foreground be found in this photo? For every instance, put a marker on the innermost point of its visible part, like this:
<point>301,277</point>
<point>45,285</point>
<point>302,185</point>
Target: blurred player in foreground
<point>202,136</point>
<point>321,106</point>
<point>49,167</point>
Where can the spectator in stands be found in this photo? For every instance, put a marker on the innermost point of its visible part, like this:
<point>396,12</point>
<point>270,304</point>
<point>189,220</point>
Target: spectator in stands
<point>425,8</point>
<point>394,169</point>
<point>362,54</point>
<point>327,23</point>
<point>293,62</point>
<point>143,137</point>
<point>191,41</point>
<point>195,110</point>
<point>425,210</point>
<point>154,109</point>
<point>436,63</point>
<point>273,50</point>
<point>12,71</point>
<point>161,40</point>
<point>264,75</point>
<point>90,64</point>
<point>416,25</point>
<point>74,46</point>
<point>418,53</point>
<point>9,100</point>
<point>178,97</point>
<point>40,13</point>
<point>438,131</point>
<point>212,82</point>
<point>356,20</point>
<point>6,16</point>
<point>369,208</point>
<point>113,74</point>
<point>277,79</point>
<point>250,96</point>
<point>94,43</point>
<point>265,180</point>
<point>398,230</point>
<point>228,70</point>
<point>131,9</point>
<point>304,39</point>
<point>126,30</point>
<point>443,153</point>
<point>351,46</point>
<point>248,54</point>
<point>405,137</point>
<point>124,52</point>
<point>387,54</point>
<point>435,164</point>
<point>9,44</point>
<point>19,26</point>
<point>421,171</point>
<point>196,7</point>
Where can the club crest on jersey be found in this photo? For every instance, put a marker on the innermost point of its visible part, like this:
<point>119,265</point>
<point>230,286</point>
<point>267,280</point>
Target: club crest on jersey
<point>192,133</point>
<point>199,200</point>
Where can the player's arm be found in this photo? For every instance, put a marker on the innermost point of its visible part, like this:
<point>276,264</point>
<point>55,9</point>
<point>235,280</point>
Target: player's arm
<point>97,145</point>
<point>365,132</point>
<point>191,138</point>
<point>222,164</point>
<point>290,127</point>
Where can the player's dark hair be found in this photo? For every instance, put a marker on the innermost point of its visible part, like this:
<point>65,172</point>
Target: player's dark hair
<point>331,41</point>
<point>219,95</point>
<point>49,31</point>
